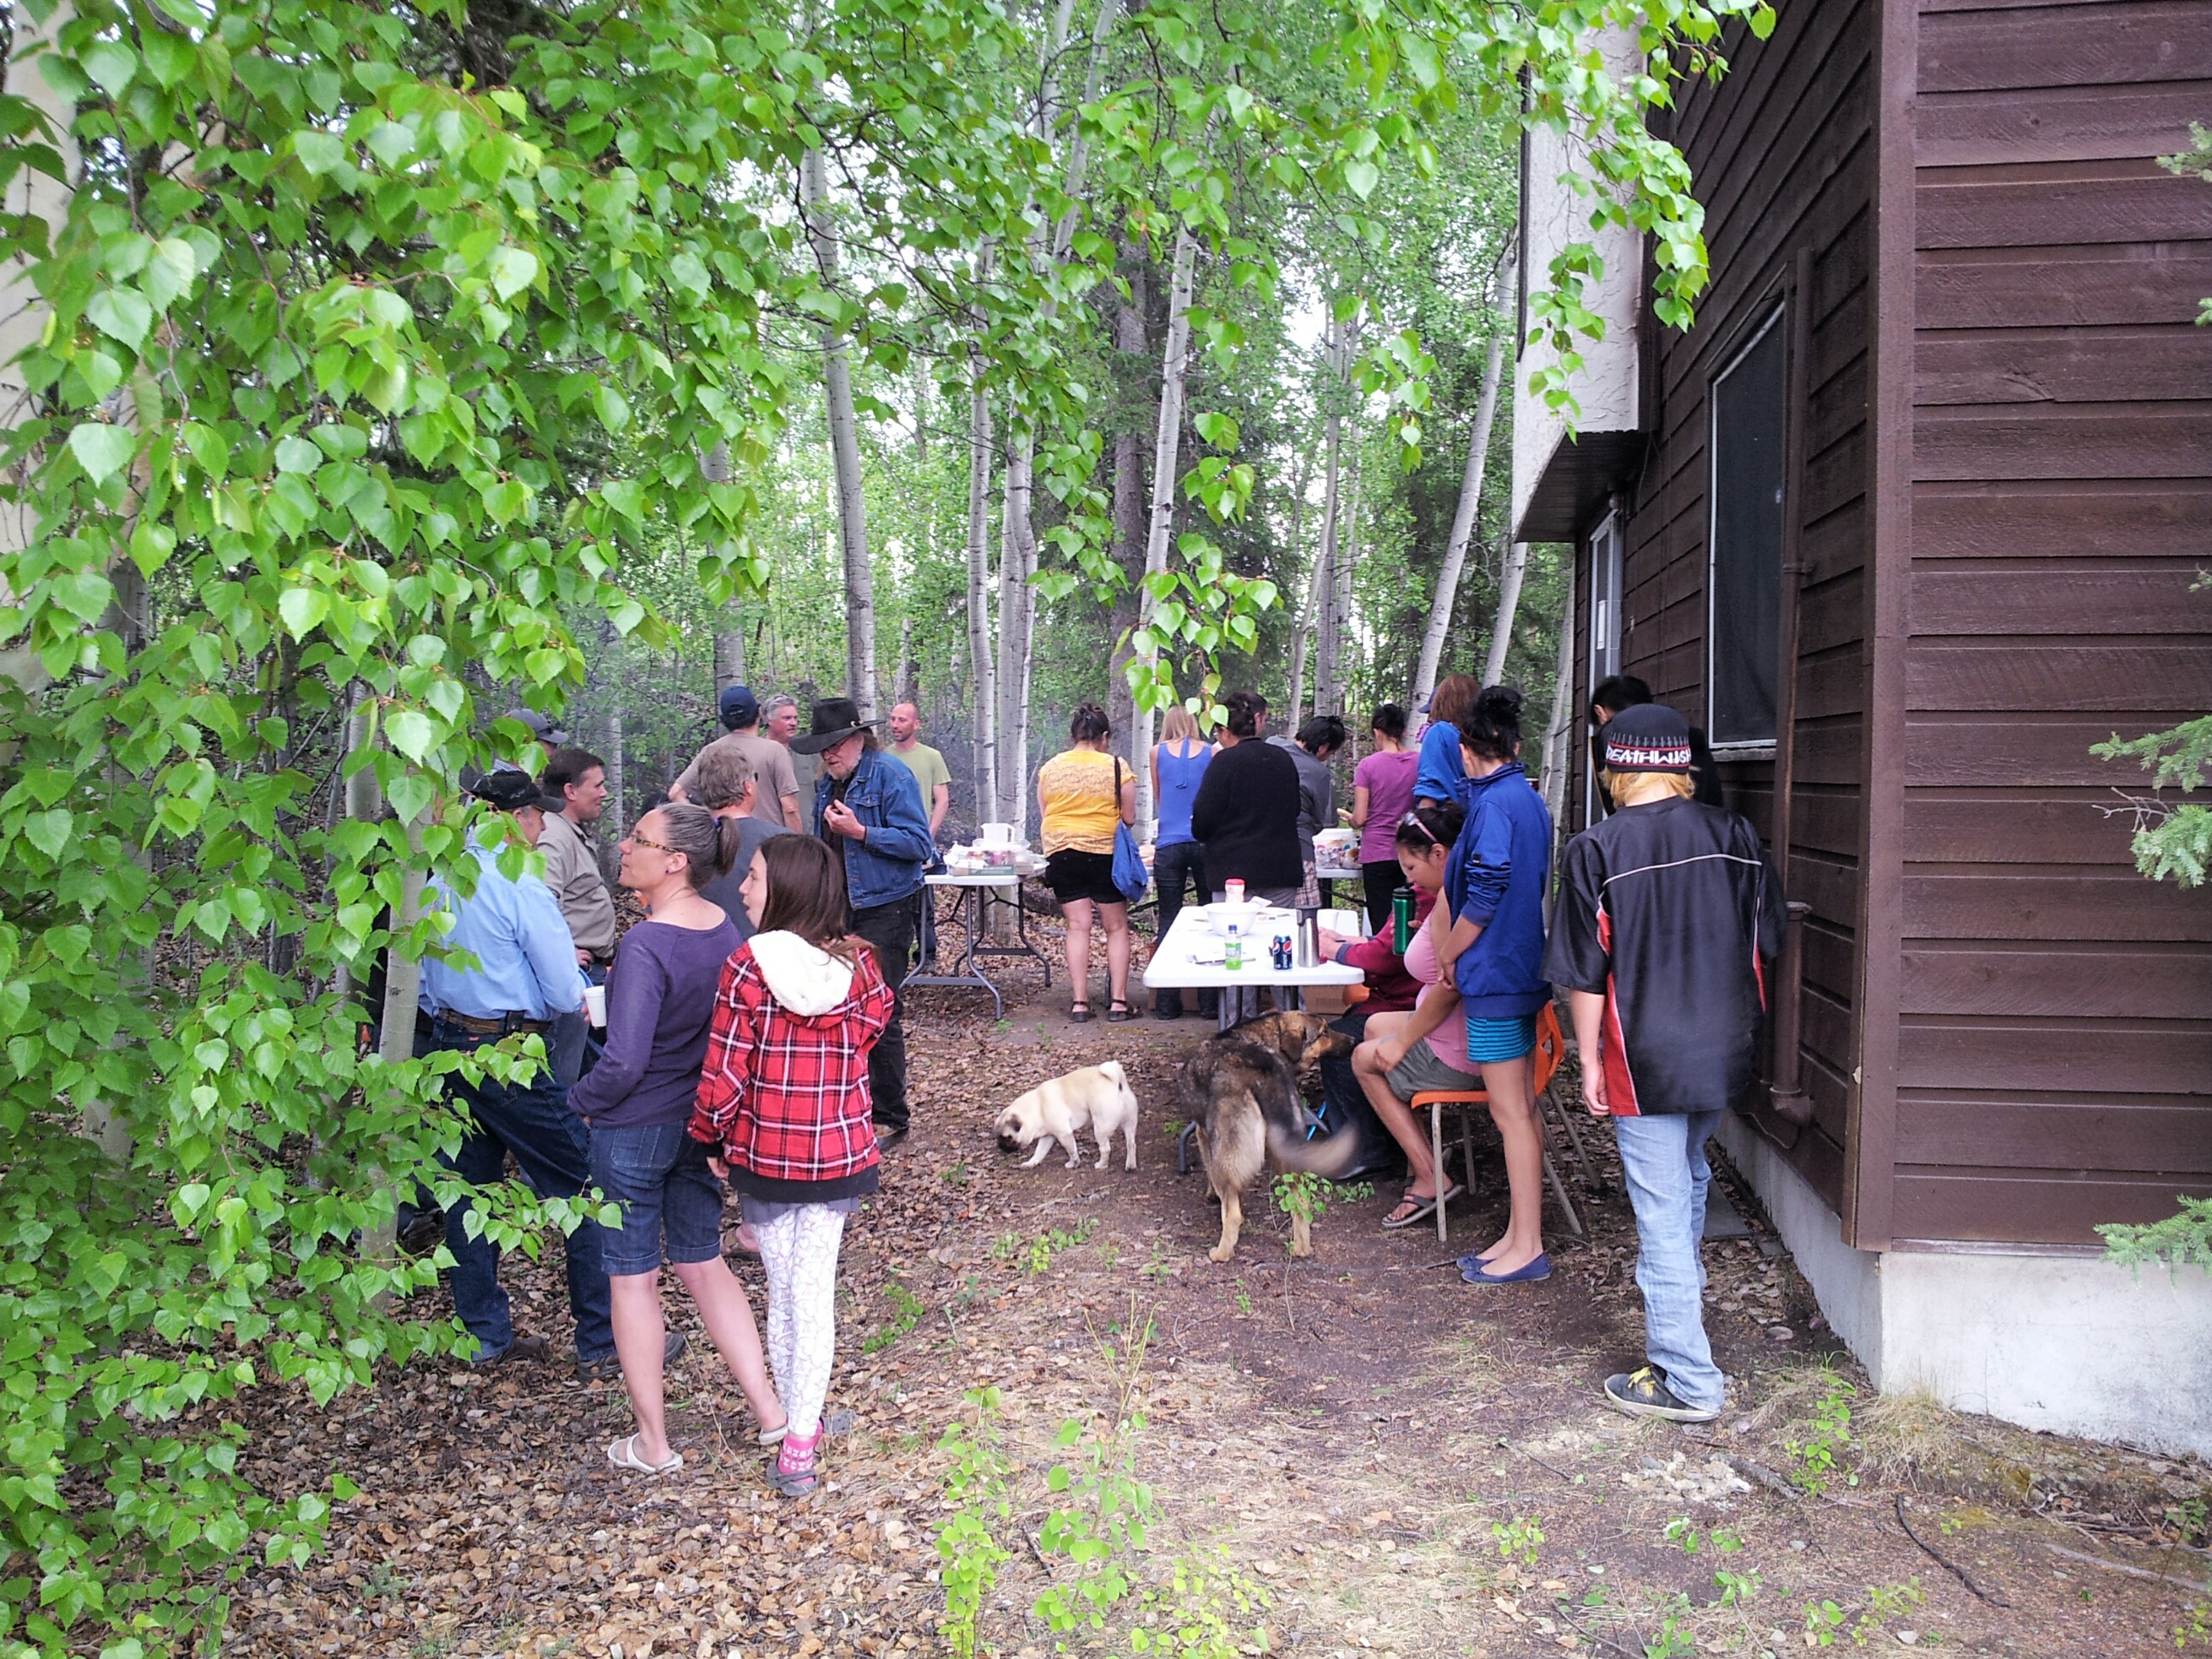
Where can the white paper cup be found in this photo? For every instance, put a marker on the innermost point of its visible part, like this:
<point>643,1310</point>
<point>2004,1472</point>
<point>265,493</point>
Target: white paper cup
<point>595,1006</point>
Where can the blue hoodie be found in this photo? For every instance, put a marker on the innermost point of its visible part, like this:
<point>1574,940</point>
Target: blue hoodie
<point>1496,877</point>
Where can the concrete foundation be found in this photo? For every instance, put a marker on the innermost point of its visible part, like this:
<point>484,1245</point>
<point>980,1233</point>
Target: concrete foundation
<point>2066,1343</point>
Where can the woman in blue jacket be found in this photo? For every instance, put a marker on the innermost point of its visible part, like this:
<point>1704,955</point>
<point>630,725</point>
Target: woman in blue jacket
<point>1489,926</point>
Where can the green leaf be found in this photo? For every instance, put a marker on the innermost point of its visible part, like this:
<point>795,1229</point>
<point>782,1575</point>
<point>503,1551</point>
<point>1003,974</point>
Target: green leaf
<point>121,314</point>
<point>412,733</point>
<point>111,64</point>
<point>302,609</point>
<point>511,270</point>
<point>49,831</point>
<point>296,454</point>
<point>169,271</point>
<point>101,450</point>
<point>320,152</point>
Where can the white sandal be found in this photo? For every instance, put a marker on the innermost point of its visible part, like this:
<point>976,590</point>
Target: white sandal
<point>623,1454</point>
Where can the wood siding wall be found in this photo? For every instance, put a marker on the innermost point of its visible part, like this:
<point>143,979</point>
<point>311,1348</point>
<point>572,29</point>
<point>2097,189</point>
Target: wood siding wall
<point>2053,1061</point>
<point>1781,152</point>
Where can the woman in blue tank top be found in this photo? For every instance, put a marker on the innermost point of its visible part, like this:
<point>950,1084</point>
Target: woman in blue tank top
<point>1178,761</point>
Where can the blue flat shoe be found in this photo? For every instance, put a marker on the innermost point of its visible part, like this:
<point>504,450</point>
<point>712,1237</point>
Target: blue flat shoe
<point>1475,1271</point>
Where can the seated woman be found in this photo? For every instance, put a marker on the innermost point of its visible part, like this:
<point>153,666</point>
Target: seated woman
<point>1391,1070</point>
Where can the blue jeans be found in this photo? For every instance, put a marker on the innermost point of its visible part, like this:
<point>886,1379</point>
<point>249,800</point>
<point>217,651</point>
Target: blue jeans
<point>1172,866</point>
<point>532,1121</point>
<point>659,1174</point>
<point>1663,1161</point>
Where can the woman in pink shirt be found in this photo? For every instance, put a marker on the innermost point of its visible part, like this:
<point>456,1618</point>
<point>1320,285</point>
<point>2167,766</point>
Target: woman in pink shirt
<point>1391,1072</point>
<point>1381,794</point>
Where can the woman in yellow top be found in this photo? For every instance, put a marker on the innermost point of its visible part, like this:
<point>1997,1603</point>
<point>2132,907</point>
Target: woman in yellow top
<point>1082,793</point>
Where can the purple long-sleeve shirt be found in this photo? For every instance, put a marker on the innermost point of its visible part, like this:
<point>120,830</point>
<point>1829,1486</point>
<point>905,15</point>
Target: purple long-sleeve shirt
<point>660,996</point>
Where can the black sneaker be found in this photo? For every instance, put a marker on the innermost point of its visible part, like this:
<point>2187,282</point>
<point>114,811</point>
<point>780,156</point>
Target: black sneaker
<point>889,1140</point>
<point>1644,1393</point>
<point>609,1363</point>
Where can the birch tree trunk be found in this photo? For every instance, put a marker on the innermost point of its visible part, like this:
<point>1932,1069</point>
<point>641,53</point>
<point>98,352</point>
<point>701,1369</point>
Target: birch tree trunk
<point>984,714</point>
<point>1129,534</point>
<point>1509,601</point>
<point>1174,363</point>
<point>1302,633</point>
<point>1347,559</point>
<point>1325,641</point>
<point>845,454</point>
<point>1470,500</point>
<point>730,637</point>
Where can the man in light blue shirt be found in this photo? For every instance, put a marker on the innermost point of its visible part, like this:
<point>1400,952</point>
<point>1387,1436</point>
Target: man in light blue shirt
<point>525,975</point>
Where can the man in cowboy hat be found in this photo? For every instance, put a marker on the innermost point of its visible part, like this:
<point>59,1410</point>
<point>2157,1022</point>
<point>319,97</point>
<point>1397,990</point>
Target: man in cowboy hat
<point>869,805</point>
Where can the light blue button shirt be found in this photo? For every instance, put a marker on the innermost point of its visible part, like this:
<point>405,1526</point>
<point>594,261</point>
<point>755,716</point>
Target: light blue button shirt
<point>514,928</point>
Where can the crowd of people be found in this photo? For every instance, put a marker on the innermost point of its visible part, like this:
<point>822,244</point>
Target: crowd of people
<point>743,1038</point>
<point>747,1038</point>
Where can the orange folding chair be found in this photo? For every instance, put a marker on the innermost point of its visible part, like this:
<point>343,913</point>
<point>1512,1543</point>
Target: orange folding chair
<point>1551,1049</point>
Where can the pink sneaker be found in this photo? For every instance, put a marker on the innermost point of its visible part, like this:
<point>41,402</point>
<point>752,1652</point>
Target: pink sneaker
<point>794,1474</point>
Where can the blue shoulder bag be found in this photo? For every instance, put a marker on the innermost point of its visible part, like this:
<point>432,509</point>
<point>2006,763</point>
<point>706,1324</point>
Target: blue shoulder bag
<point>1130,876</point>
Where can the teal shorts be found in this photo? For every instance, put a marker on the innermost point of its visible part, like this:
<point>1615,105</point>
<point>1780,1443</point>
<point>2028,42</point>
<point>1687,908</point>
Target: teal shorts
<point>1489,1042</point>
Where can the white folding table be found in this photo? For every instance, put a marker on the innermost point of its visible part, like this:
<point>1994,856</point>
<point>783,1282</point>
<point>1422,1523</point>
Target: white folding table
<point>1189,959</point>
<point>978,891</point>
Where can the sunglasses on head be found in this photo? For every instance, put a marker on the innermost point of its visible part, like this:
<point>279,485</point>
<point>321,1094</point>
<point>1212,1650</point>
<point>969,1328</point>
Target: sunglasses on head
<point>1414,821</point>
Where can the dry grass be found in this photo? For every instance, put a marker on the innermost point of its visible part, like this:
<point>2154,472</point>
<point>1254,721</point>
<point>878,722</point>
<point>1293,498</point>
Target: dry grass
<point>1901,1435</point>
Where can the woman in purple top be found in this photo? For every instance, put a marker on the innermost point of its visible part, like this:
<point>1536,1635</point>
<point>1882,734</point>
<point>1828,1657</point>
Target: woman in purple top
<point>637,1102</point>
<point>1382,795</point>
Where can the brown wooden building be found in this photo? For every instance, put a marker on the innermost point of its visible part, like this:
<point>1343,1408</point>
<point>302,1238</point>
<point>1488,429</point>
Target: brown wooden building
<point>1907,523</point>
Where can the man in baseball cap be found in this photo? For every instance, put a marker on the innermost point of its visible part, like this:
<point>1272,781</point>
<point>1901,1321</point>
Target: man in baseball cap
<point>776,791</point>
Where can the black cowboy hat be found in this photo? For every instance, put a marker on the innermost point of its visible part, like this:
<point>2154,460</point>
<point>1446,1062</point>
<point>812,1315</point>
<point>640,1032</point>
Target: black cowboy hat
<point>835,720</point>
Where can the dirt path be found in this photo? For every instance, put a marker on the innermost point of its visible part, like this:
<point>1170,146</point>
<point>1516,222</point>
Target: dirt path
<point>1360,1445</point>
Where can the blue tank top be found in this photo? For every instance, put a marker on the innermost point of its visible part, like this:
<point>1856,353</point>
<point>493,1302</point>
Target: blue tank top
<point>1179,777</point>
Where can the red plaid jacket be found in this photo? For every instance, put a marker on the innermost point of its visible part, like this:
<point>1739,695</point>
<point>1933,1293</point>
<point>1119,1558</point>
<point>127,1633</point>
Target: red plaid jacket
<point>787,1095</point>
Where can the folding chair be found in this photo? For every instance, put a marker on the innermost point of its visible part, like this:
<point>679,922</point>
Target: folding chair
<point>1550,1047</point>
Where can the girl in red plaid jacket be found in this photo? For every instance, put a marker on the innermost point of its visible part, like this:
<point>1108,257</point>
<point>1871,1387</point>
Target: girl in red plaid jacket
<point>784,1096</point>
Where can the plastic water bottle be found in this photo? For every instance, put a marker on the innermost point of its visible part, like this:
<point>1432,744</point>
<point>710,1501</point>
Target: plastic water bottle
<point>1232,947</point>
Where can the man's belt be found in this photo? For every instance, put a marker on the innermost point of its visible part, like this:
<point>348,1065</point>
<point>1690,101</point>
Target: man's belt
<point>492,1025</point>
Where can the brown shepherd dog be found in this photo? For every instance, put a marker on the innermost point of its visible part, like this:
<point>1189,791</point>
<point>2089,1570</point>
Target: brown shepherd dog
<point>1241,1090</point>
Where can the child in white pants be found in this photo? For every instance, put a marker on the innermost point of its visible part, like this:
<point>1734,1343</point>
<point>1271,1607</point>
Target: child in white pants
<point>784,1094</point>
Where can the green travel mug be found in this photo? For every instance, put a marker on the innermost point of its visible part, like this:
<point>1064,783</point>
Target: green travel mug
<point>1402,920</point>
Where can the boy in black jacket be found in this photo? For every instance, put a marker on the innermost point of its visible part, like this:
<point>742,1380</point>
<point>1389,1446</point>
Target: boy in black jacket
<point>1665,910</point>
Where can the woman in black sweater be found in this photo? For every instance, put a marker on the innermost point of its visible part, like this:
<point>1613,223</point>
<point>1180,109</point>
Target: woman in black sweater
<point>1246,816</point>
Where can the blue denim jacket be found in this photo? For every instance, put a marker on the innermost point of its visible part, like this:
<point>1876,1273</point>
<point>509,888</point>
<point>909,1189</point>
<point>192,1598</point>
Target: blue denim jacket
<point>887,864</point>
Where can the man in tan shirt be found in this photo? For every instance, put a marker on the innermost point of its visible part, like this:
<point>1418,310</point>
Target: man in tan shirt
<point>574,786</point>
<point>777,783</point>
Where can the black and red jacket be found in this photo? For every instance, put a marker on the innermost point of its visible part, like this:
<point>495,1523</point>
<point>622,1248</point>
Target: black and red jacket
<point>1666,909</point>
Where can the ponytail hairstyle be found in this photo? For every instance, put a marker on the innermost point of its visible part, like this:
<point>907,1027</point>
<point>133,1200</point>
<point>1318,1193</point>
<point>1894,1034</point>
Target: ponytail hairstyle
<point>1491,729</point>
<point>707,843</point>
<point>1390,721</point>
<point>1089,724</point>
<point>1432,824</point>
<point>805,892</point>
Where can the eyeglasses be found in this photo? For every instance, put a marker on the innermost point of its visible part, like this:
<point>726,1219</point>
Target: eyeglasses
<point>657,846</point>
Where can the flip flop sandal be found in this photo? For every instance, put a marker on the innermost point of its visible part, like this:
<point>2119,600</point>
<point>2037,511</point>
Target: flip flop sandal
<point>623,1454</point>
<point>1422,1209</point>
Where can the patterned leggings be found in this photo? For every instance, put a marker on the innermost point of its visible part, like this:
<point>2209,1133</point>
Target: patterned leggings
<point>799,1250</point>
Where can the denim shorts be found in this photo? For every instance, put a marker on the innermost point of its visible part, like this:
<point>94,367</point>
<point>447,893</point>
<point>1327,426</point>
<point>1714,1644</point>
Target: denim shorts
<point>659,1174</point>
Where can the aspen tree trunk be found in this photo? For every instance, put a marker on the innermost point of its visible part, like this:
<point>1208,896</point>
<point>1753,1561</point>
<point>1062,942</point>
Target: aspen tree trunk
<point>910,671</point>
<point>1129,531</point>
<point>1015,609</point>
<point>1509,601</point>
<point>1302,633</point>
<point>1470,500</point>
<point>985,710</point>
<point>845,454</point>
<point>730,637</point>
<point>1325,642</point>
<point>1347,559</point>
<point>1174,364</point>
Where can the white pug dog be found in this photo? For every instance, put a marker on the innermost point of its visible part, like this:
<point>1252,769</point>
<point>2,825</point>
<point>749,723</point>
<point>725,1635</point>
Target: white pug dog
<point>1097,1097</point>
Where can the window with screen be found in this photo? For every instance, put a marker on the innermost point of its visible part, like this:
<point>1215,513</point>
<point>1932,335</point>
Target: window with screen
<point>1750,418</point>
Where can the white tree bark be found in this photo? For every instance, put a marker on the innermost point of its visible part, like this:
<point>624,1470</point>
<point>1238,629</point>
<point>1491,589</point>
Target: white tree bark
<point>1347,560</point>
<point>986,711</point>
<point>845,454</point>
<point>1302,631</point>
<point>1470,500</point>
<point>1167,442</point>
<point>1332,503</point>
<point>1509,601</point>
<point>1016,629</point>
